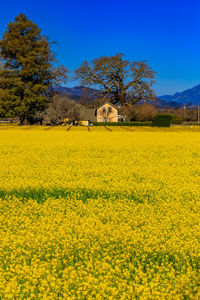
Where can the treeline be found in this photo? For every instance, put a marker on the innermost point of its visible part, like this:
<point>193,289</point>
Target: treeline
<point>28,73</point>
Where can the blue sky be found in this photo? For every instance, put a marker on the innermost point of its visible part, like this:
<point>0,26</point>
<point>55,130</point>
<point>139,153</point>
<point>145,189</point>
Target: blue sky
<point>166,33</point>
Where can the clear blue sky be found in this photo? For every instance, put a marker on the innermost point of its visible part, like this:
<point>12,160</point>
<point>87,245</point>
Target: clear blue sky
<point>166,33</point>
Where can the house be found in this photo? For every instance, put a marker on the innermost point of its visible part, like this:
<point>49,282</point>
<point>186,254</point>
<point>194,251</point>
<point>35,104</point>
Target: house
<point>107,112</point>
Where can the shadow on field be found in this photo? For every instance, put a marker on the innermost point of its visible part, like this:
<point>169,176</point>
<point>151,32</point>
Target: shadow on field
<point>40,195</point>
<point>107,128</point>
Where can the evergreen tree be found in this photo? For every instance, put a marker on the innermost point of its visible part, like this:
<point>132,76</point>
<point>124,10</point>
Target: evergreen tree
<point>27,74</point>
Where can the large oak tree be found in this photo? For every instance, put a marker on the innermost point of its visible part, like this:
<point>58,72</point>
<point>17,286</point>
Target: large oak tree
<point>27,72</point>
<point>118,80</point>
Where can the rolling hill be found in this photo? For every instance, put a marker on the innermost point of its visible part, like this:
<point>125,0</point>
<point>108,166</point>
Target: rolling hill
<point>187,97</point>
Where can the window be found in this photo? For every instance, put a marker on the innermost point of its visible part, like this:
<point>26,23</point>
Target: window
<point>104,109</point>
<point>109,109</point>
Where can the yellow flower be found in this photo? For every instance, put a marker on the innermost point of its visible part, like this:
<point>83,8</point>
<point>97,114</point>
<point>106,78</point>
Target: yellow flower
<point>99,214</point>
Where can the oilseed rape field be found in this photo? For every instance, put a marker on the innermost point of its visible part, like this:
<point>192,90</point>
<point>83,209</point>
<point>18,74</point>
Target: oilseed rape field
<point>105,213</point>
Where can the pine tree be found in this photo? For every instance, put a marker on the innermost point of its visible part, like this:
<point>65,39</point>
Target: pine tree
<point>27,73</point>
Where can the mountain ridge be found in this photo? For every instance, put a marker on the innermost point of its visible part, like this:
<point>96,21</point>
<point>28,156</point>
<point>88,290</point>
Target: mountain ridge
<point>189,97</point>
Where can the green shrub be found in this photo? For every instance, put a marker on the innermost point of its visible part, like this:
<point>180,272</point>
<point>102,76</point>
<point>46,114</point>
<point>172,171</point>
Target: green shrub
<point>162,120</point>
<point>149,123</point>
<point>176,119</point>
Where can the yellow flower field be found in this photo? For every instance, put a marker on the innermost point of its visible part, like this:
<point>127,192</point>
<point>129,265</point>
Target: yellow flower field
<point>99,214</point>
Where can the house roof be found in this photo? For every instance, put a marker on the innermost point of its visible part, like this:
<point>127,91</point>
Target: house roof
<point>89,114</point>
<point>107,102</point>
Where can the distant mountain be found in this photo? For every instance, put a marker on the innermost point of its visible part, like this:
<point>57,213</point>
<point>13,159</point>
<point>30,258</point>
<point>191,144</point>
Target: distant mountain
<point>190,97</point>
<point>165,104</point>
<point>187,97</point>
<point>73,93</point>
<point>76,92</point>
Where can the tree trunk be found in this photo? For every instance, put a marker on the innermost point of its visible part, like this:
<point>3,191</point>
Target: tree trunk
<point>24,120</point>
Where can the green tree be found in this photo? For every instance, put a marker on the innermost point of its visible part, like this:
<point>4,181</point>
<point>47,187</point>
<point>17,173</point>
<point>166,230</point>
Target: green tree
<point>27,72</point>
<point>118,80</point>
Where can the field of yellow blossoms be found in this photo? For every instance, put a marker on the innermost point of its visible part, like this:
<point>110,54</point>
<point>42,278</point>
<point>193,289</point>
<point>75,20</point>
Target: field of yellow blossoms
<point>105,213</point>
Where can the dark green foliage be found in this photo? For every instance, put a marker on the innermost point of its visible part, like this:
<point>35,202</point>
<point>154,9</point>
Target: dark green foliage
<point>26,72</point>
<point>176,119</point>
<point>149,123</point>
<point>162,120</point>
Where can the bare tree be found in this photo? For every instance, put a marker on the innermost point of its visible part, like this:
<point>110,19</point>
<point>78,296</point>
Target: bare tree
<point>61,108</point>
<point>87,97</point>
<point>145,112</point>
<point>119,80</point>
